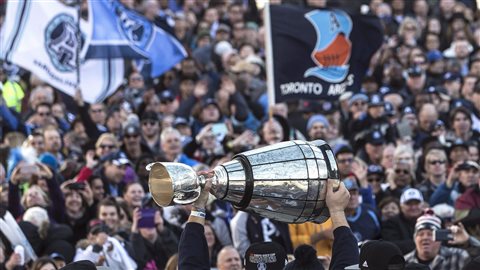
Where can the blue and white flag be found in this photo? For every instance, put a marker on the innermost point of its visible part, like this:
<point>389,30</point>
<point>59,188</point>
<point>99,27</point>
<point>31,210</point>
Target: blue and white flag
<point>119,32</point>
<point>40,36</point>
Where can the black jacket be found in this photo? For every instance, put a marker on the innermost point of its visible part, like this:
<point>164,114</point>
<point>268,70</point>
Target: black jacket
<point>399,231</point>
<point>159,251</point>
<point>344,250</point>
<point>193,249</point>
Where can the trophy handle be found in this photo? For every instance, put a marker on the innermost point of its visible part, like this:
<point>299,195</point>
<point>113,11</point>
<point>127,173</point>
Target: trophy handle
<point>336,185</point>
<point>202,180</point>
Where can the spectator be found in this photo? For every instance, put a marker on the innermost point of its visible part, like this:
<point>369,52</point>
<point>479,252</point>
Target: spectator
<point>435,170</point>
<point>151,131</point>
<point>462,176</point>
<point>362,220</point>
<point>470,198</point>
<point>375,178</point>
<point>317,127</point>
<point>133,195</point>
<point>249,228</point>
<point>399,230</point>
<point>400,179</point>
<point>171,147</point>
<point>152,241</point>
<point>104,250</point>
<point>44,263</point>
<point>107,143</point>
<point>317,235</point>
<point>45,236</point>
<point>53,142</point>
<point>372,151</point>
<point>132,143</point>
<point>389,207</point>
<point>79,207</point>
<point>458,151</point>
<point>214,245</point>
<point>427,250</point>
<point>344,156</point>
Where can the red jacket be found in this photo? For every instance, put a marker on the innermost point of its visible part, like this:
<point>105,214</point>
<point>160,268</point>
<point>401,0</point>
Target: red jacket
<point>470,199</point>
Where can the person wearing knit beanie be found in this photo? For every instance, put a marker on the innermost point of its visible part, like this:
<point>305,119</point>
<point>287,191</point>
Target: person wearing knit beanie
<point>430,252</point>
<point>317,127</point>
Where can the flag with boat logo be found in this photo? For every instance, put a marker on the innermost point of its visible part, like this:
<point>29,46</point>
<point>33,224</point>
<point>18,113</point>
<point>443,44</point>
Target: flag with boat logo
<point>319,53</point>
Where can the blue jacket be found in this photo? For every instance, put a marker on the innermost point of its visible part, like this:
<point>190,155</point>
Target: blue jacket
<point>443,194</point>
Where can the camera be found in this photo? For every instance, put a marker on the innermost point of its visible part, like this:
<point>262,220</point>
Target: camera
<point>76,186</point>
<point>443,235</point>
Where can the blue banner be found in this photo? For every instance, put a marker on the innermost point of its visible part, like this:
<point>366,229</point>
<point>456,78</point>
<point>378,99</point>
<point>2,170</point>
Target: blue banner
<point>119,32</point>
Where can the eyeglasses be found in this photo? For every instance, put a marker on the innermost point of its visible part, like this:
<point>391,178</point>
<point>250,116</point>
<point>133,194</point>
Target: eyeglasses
<point>44,113</point>
<point>399,171</point>
<point>359,104</point>
<point>346,160</point>
<point>109,146</point>
<point>433,162</point>
<point>96,111</point>
<point>166,101</point>
<point>136,79</point>
<point>410,28</point>
<point>374,179</point>
<point>151,123</point>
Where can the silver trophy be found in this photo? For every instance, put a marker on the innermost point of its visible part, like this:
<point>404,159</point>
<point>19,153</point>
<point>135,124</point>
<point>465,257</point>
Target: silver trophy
<point>286,181</point>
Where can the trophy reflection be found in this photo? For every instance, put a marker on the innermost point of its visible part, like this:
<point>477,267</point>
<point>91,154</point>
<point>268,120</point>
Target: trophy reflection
<point>286,181</point>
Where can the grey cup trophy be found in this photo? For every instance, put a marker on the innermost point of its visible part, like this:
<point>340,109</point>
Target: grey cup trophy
<point>286,181</point>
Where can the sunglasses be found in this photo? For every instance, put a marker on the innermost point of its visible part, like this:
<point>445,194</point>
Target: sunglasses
<point>359,103</point>
<point>151,123</point>
<point>131,136</point>
<point>166,101</point>
<point>433,162</point>
<point>398,171</point>
<point>44,113</point>
<point>109,146</point>
<point>374,179</point>
<point>97,111</point>
<point>347,160</point>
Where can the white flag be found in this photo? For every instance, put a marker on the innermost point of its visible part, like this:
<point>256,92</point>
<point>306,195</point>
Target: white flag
<point>40,36</point>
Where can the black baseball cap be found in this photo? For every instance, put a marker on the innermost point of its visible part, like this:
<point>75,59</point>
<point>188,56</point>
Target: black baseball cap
<point>375,137</point>
<point>380,255</point>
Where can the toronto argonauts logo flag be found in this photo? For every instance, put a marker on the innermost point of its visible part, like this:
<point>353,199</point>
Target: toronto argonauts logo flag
<point>119,32</point>
<point>320,53</point>
<point>41,36</point>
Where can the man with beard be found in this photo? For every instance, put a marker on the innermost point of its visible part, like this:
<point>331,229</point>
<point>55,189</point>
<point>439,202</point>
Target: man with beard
<point>53,142</point>
<point>317,127</point>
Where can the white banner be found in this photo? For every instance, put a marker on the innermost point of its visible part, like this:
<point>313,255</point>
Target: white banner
<point>40,36</point>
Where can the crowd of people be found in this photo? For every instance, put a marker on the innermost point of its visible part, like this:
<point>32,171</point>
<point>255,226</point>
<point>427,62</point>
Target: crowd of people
<point>73,175</point>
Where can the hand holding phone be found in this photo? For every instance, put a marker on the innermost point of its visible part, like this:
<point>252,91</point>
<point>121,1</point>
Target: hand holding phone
<point>443,235</point>
<point>220,130</point>
<point>148,218</point>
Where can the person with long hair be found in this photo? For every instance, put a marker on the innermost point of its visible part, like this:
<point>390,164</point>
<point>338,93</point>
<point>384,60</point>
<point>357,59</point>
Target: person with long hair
<point>214,245</point>
<point>44,263</point>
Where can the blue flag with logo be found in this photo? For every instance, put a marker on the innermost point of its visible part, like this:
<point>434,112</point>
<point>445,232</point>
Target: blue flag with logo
<point>119,32</point>
<point>320,53</point>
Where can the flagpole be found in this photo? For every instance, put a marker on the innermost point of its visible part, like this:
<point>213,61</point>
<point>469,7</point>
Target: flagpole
<point>79,40</point>
<point>269,60</point>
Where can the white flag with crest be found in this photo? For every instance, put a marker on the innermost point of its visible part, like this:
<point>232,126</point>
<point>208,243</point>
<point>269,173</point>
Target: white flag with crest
<point>40,36</point>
